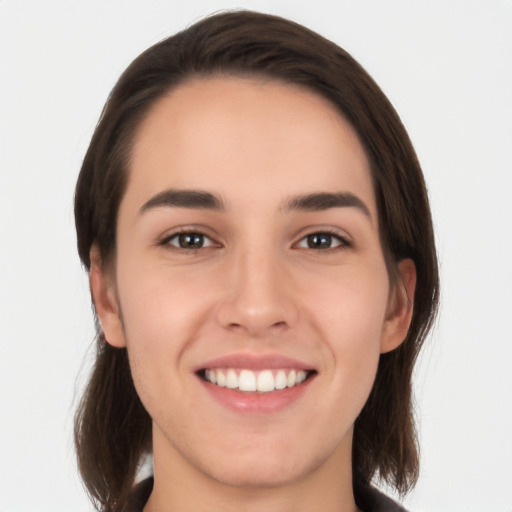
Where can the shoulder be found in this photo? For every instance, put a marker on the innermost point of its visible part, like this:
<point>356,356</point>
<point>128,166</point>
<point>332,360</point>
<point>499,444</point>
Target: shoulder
<point>369,499</point>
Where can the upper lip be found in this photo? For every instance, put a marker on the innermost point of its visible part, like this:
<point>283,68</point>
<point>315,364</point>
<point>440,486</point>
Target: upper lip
<point>255,362</point>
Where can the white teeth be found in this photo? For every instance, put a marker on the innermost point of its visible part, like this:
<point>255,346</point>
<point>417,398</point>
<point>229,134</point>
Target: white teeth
<point>281,380</point>
<point>221,379</point>
<point>263,382</point>
<point>231,379</point>
<point>247,381</point>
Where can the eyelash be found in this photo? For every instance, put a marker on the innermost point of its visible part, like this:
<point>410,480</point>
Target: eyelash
<point>188,233</point>
<point>341,242</point>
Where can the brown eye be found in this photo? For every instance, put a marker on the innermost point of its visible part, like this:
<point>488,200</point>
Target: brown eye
<point>190,241</point>
<point>321,241</point>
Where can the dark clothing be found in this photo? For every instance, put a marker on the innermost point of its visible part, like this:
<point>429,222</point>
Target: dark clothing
<point>140,495</point>
<point>368,499</point>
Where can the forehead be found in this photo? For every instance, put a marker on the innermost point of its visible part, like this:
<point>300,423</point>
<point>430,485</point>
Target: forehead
<point>248,138</point>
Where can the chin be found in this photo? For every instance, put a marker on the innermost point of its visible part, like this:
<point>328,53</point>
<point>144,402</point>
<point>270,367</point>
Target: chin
<point>261,468</point>
<point>259,475</point>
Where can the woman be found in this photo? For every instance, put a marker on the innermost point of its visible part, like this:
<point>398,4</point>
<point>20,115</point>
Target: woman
<point>258,237</point>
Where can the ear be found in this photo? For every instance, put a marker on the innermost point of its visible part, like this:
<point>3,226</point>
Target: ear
<point>400,307</point>
<point>105,300</point>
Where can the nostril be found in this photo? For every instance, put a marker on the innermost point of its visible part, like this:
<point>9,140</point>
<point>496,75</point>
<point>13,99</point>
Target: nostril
<point>254,327</point>
<point>256,315</point>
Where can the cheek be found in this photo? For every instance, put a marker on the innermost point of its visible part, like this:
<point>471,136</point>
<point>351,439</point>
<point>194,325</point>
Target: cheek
<point>164,312</point>
<point>350,314</point>
<point>157,302</point>
<point>154,313</point>
<point>350,308</point>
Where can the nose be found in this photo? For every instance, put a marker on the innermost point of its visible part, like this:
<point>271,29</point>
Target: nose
<point>259,297</point>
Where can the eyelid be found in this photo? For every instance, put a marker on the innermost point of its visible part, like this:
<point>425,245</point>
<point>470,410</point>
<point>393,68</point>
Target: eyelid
<point>185,230</point>
<point>345,241</point>
<point>207,241</point>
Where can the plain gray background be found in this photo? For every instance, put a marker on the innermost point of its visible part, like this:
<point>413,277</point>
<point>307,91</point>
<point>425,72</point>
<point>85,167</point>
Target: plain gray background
<point>446,66</point>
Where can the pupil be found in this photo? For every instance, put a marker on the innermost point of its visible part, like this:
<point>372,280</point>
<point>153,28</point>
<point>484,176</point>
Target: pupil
<point>191,240</point>
<point>321,241</point>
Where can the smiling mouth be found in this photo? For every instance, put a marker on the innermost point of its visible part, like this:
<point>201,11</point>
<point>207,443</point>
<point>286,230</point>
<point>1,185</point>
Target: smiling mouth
<point>264,381</point>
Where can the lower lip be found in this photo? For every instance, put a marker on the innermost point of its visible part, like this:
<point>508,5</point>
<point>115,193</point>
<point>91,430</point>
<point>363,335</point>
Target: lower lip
<point>256,403</point>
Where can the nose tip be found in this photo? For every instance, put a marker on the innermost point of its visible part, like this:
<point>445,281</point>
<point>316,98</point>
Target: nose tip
<point>256,322</point>
<point>259,301</point>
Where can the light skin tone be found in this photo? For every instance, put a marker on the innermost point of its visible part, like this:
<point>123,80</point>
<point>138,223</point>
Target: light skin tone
<point>275,254</point>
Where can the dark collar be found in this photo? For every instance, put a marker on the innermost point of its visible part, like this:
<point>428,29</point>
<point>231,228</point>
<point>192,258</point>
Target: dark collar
<point>369,499</point>
<point>140,496</point>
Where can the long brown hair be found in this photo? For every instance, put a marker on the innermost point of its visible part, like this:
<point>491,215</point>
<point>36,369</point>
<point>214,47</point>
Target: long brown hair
<point>112,429</point>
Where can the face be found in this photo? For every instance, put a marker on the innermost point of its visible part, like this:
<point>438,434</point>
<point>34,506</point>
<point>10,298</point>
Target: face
<point>250,286</point>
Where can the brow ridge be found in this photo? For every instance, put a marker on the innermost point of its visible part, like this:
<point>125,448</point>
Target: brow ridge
<point>325,200</point>
<point>200,199</point>
<point>183,199</point>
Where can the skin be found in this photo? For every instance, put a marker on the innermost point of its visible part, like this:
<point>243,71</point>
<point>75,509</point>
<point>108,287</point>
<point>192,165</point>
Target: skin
<point>257,286</point>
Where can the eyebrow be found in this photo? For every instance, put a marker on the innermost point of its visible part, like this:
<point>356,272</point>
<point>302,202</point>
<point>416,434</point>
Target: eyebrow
<point>325,200</point>
<point>184,199</point>
<point>199,199</point>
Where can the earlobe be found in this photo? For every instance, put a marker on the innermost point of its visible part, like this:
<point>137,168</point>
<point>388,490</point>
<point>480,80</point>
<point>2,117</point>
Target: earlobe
<point>400,308</point>
<point>105,300</point>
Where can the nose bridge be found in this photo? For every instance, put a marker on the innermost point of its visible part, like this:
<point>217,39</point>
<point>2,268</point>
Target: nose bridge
<point>257,280</point>
<point>259,298</point>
